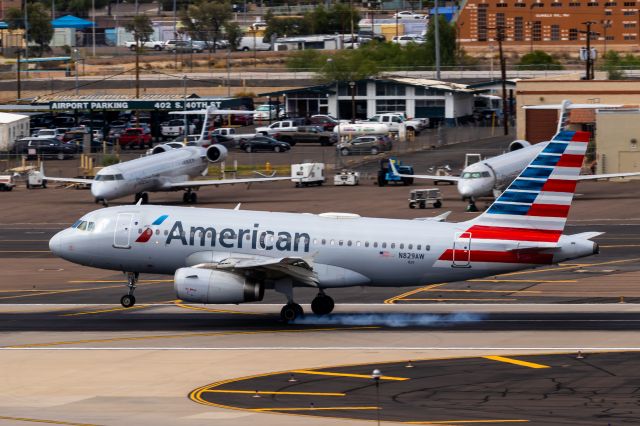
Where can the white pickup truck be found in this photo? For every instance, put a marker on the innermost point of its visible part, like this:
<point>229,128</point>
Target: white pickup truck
<point>151,44</point>
<point>175,127</point>
<point>395,120</point>
<point>280,127</point>
<point>230,133</point>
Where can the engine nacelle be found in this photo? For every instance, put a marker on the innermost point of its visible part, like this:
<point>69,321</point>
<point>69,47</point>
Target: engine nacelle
<point>518,144</point>
<point>209,286</point>
<point>216,153</point>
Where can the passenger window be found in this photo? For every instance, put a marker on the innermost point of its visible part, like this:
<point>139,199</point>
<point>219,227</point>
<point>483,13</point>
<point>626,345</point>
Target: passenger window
<point>248,237</point>
<point>401,246</point>
<point>427,247</point>
<point>340,242</point>
<point>366,243</point>
<point>393,245</point>
<point>332,243</point>
<point>166,232</point>
<point>324,241</point>
<point>419,247</point>
<point>375,244</point>
<point>410,246</point>
<point>139,230</point>
<point>349,243</point>
<point>384,245</point>
<point>157,232</point>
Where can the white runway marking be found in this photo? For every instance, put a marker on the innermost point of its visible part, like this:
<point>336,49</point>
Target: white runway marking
<point>569,350</point>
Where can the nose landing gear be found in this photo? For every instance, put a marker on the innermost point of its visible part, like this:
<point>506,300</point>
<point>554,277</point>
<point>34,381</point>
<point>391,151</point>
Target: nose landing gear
<point>471,207</point>
<point>128,300</point>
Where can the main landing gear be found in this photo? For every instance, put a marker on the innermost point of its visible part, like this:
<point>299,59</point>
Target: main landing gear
<point>322,304</point>
<point>128,300</point>
<point>189,197</point>
<point>142,196</point>
<point>471,207</point>
<point>103,201</point>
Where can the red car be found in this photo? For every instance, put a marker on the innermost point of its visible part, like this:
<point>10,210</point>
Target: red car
<point>135,137</point>
<point>325,121</point>
<point>236,120</point>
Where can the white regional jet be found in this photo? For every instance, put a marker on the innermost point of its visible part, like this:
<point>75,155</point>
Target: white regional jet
<point>167,169</point>
<point>489,177</point>
<point>233,256</point>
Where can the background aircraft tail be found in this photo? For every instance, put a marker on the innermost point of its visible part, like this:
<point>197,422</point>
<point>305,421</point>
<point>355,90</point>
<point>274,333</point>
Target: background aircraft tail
<point>534,208</point>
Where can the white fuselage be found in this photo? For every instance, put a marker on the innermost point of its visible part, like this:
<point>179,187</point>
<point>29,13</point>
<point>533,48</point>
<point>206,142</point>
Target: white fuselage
<point>343,251</point>
<point>496,173</point>
<point>149,173</point>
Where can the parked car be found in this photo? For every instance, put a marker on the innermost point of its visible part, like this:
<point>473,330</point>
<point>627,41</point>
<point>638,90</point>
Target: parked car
<point>281,126</point>
<point>176,127</point>
<point>115,132</point>
<point>327,122</point>
<point>407,14</point>
<point>369,144</point>
<point>234,120</point>
<point>187,46</point>
<point>264,143</point>
<point>45,147</point>
<point>268,112</point>
<point>135,137</point>
<point>308,134</point>
<point>151,44</point>
<point>57,133</point>
<point>406,39</point>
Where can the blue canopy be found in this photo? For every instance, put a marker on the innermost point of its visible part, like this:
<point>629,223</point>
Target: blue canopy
<point>70,21</point>
<point>446,11</point>
<point>3,25</point>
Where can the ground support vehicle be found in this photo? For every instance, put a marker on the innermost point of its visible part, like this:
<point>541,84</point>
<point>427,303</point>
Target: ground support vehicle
<point>308,134</point>
<point>306,174</point>
<point>346,178</point>
<point>386,175</point>
<point>6,183</point>
<point>425,197</point>
<point>35,178</point>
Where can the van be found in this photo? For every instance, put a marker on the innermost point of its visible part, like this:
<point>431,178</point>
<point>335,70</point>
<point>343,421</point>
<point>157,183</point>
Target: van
<point>253,43</point>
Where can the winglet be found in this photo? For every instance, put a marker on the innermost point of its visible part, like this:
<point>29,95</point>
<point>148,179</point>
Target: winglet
<point>237,207</point>
<point>264,174</point>
<point>139,203</point>
<point>42,169</point>
<point>392,164</point>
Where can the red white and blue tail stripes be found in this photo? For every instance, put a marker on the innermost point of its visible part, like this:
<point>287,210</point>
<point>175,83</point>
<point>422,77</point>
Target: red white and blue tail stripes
<point>531,214</point>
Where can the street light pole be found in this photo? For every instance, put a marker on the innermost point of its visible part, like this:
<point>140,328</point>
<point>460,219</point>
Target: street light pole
<point>93,27</point>
<point>352,86</point>
<point>75,62</point>
<point>18,52</point>
<point>436,28</point>
<point>184,109</point>
<point>375,375</point>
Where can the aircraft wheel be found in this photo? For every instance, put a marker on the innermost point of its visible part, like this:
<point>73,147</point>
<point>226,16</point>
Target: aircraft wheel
<point>145,198</point>
<point>128,300</point>
<point>322,305</point>
<point>193,198</point>
<point>437,204</point>
<point>185,197</point>
<point>290,312</point>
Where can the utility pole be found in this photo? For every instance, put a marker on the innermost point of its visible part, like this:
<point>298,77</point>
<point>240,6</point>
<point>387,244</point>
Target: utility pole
<point>137,67</point>
<point>589,60</point>
<point>18,74</point>
<point>93,27</point>
<point>503,72</point>
<point>436,27</point>
<point>351,19</point>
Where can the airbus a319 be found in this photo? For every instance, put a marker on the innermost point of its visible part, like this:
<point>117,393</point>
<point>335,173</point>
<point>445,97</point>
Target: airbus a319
<point>234,256</point>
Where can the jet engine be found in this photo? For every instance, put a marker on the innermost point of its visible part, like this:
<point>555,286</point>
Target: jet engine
<point>159,149</point>
<point>518,144</point>
<point>216,153</point>
<point>211,286</point>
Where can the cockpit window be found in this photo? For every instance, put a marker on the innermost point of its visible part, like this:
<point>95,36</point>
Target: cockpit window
<point>475,175</point>
<point>84,225</point>
<point>109,177</point>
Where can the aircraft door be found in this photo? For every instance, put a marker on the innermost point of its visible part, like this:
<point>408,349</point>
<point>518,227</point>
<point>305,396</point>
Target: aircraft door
<point>122,234</point>
<point>462,250</point>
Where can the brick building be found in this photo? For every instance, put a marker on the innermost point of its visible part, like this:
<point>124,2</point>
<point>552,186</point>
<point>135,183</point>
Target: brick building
<point>550,25</point>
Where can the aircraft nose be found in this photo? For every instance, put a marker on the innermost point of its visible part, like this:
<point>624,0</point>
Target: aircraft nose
<point>55,243</point>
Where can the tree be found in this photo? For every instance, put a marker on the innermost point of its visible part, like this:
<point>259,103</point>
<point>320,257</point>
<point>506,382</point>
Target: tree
<point>234,34</point>
<point>141,28</point>
<point>539,60</point>
<point>39,31</point>
<point>205,19</point>
<point>348,65</point>
<point>447,32</point>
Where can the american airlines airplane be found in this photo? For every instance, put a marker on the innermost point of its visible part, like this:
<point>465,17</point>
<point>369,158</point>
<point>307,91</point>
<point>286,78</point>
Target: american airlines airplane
<point>167,169</point>
<point>233,256</point>
<point>490,177</point>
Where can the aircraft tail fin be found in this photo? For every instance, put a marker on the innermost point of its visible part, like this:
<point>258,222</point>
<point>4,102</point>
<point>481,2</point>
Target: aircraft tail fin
<point>534,208</point>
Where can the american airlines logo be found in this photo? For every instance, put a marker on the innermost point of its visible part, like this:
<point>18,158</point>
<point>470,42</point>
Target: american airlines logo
<point>147,233</point>
<point>238,238</point>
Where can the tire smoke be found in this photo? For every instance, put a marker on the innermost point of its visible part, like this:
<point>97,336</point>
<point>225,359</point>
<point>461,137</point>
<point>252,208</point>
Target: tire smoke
<point>391,320</point>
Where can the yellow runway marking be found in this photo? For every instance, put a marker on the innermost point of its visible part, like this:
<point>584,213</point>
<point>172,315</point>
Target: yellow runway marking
<point>314,408</point>
<point>103,311</point>
<point>180,336</point>
<point>463,422</point>
<point>179,304</point>
<point>275,393</point>
<point>445,290</point>
<point>442,299</point>
<point>357,376</point>
<point>117,281</point>
<point>393,299</point>
<point>53,422</point>
<point>515,361</point>
<point>71,290</point>
<point>620,245</point>
<point>571,266</point>
<point>522,281</point>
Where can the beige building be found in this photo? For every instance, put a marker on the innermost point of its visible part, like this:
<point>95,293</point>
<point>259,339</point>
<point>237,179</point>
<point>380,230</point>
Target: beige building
<point>616,132</point>
<point>618,140</point>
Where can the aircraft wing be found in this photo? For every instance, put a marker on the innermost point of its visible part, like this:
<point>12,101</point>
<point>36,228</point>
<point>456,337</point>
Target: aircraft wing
<point>69,180</point>
<point>607,176</point>
<point>297,268</point>
<point>216,182</point>
<point>432,177</point>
